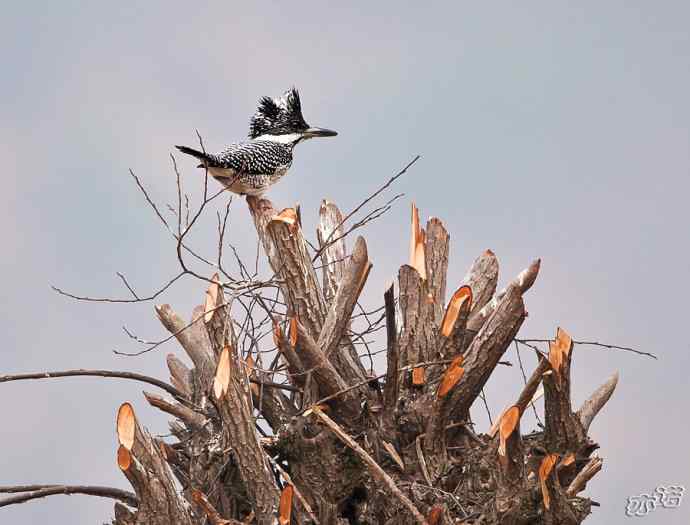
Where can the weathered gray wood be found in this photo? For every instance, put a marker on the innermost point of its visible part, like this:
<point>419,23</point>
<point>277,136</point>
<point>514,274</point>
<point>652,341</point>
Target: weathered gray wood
<point>588,472</point>
<point>563,431</point>
<point>239,435</point>
<point>522,282</point>
<point>216,317</point>
<point>191,418</point>
<point>287,255</point>
<point>482,278</point>
<point>436,247</point>
<point>532,384</point>
<point>596,402</point>
<point>180,375</point>
<point>418,339</point>
<point>340,311</point>
<point>192,337</point>
<point>333,258</point>
<point>325,374</point>
<point>510,478</point>
<point>273,405</point>
<point>391,387</point>
<point>123,515</point>
<point>296,369</point>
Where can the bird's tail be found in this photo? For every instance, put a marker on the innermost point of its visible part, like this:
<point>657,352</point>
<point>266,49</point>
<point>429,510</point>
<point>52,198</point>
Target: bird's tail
<point>204,157</point>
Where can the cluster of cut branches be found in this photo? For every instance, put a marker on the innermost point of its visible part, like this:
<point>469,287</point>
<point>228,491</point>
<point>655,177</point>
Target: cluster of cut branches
<point>283,396</point>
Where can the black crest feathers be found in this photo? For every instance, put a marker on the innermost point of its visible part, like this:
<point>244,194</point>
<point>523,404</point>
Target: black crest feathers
<point>278,115</point>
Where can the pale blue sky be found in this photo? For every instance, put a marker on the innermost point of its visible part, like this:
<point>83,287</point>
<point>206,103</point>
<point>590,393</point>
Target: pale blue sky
<point>546,129</point>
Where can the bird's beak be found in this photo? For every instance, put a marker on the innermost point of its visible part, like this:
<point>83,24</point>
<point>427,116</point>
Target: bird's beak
<point>318,132</point>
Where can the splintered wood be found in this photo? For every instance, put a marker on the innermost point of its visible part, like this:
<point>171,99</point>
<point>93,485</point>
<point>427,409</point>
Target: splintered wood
<point>417,240</point>
<point>461,300</point>
<point>451,376</point>
<point>509,421</point>
<point>545,469</point>
<point>288,216</point>
<point>559,349</point>
<point>212,293</point>
<point>221,381</point>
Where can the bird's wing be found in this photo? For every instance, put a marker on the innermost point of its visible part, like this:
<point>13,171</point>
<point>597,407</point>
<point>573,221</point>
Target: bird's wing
<point>255,157</point>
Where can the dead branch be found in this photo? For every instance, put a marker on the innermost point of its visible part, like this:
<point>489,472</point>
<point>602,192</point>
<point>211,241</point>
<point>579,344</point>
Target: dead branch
<point>329,380</point>
<point>522,282</point>
<point>192,418</point>
<point>482,278</point>
<point>192,337</point>
<point>136,298</point>
<point>437,246</point>
<point>180,375</point>
<point>340,311</point>
<point>531,385</point>
<point>233,400</point>
<point>563,431</point>
<point>485,351</point>
<point>333,257</point>
<point>596,401</point>
<point>141,460</point>
<point>588,472</point>
<point>32,492</point>
<point>417,340</point>
<point>391,386</point>
<point>98,373</point>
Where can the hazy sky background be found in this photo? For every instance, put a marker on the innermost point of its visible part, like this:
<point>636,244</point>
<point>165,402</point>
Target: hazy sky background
<point>546,130</point>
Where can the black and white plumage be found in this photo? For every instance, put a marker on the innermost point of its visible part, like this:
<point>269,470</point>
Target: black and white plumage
<point>251,167</point>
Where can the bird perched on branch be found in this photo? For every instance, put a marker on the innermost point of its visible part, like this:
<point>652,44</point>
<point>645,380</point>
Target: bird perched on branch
<point>251,167</point>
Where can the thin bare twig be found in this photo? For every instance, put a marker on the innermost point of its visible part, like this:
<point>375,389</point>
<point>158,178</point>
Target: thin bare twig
<point>524,379</point>
<point>329,240</point>
<point>136,299</point>
<point>593,343</point>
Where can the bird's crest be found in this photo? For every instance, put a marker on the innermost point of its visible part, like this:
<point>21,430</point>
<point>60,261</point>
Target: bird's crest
<point>278,116</point>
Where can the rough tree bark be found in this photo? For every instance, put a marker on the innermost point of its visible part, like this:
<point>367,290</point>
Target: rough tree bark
<point>337,445</point>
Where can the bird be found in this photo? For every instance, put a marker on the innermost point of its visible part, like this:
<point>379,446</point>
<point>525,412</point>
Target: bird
<point>252,166</point>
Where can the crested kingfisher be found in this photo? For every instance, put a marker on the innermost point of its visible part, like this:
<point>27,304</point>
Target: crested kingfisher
<point>251,167</point>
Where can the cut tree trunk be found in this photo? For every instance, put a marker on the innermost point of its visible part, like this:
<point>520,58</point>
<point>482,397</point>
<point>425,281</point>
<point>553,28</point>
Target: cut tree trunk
<point>345,447</point>
<point>336,444</point>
